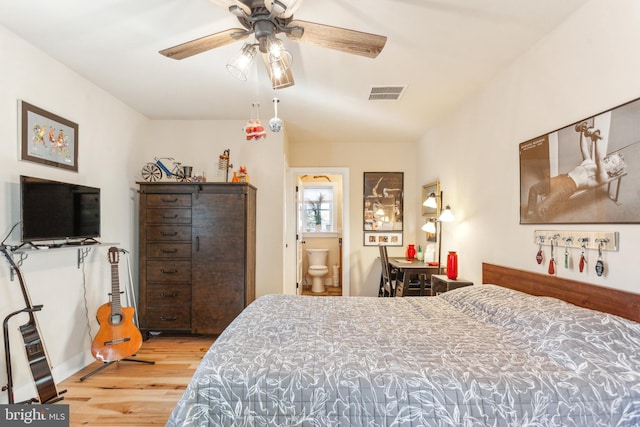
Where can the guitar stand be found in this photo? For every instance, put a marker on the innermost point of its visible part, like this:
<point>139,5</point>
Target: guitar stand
<point>107,364</point>
<point>9,386</point>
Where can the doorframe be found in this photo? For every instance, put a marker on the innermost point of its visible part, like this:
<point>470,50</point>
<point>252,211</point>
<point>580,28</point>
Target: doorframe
<point>289,267</point>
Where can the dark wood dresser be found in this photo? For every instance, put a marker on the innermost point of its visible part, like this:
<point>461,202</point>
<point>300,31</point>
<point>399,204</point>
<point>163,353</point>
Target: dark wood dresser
<point>197,259</point>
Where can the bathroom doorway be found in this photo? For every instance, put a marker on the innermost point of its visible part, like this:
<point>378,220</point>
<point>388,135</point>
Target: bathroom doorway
<point>317,216</point>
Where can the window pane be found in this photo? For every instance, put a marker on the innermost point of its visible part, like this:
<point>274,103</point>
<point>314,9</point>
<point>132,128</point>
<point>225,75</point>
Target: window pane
<point>318,208</point>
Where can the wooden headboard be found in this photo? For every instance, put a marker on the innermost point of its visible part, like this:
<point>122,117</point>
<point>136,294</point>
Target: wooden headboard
<point>620,303</point>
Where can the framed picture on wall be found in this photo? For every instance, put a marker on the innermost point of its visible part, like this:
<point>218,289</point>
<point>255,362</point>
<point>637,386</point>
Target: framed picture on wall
<point>584,173</point>
<point>383,201</point>
<point>377,238</point>
<point>47,138</point>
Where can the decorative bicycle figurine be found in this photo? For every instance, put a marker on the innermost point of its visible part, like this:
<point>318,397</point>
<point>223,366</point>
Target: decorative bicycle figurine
<point>152,171</point>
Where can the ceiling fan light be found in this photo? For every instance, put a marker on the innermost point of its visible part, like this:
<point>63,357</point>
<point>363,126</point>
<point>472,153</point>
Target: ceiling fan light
<point>280,64</point>
<point>240,64</point>
<point>275,48</point>
<point>283,81</point>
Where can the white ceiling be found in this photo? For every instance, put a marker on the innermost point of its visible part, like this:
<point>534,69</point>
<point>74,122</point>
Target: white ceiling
<point>443,50</point>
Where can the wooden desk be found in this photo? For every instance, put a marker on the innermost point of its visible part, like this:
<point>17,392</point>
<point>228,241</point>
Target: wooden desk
<point>409,269</point>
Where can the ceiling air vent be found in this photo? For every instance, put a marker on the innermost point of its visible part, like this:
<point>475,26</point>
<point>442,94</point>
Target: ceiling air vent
<point>392,93</point>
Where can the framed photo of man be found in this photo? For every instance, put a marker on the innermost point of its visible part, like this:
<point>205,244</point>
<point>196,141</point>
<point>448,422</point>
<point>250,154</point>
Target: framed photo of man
<point>584,173</point>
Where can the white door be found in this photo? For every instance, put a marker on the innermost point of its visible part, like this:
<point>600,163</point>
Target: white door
<point>299,241</point>
<point>293,251</point>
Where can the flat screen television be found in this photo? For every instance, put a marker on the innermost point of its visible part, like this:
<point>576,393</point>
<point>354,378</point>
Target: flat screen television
<point>52,210</point>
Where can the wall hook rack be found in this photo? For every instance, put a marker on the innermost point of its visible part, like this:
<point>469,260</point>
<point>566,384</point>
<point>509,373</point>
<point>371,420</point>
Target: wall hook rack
<point>604,240</point>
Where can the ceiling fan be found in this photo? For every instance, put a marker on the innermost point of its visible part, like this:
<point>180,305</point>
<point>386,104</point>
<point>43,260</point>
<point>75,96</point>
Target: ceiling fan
<point>265,19</point>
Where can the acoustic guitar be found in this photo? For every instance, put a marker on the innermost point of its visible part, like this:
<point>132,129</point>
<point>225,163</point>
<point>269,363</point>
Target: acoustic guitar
<point>33,344</point>
<point>118,338</point>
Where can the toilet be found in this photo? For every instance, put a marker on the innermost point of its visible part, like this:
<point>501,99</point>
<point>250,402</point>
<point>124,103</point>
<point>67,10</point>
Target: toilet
<point>317,268</point>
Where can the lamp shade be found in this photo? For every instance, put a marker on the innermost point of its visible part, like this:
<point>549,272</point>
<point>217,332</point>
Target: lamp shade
<point>431,201</point>
<point>240,64</point>
<point>447,215</point>
<point>429,227</point>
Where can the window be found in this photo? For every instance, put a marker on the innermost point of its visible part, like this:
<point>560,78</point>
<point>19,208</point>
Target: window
<point>319,207</point>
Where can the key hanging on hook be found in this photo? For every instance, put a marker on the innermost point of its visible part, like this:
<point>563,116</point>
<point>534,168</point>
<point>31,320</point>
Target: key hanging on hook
<point>539,256</point>
<point>552,262</point>
<point>583,260</point>
<point>600,263</point>
<point>566,252</point>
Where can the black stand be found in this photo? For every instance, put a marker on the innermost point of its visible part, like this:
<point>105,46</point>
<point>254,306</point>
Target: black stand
<point>107,364</point>
<point>9,386</point>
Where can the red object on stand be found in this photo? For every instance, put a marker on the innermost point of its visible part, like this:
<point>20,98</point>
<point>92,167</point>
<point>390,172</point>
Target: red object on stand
<point>411,251</point>
<point>452,265</point>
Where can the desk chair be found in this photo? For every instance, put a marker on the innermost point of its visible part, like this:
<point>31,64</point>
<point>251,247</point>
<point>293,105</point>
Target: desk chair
<point>387,279</point>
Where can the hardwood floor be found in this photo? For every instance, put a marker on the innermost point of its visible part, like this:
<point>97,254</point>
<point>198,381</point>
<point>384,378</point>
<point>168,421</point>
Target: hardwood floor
<point>328,291</point>
<point>135,394</point>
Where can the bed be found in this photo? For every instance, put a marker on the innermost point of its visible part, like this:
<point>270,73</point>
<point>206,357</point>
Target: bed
<point>476,356</point>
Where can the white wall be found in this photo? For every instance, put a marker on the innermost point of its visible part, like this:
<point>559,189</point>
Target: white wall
<point>587,65</point>
<point>110,138</point>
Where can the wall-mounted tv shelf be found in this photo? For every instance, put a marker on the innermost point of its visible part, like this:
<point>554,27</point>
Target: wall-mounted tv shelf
<point>82,250</point>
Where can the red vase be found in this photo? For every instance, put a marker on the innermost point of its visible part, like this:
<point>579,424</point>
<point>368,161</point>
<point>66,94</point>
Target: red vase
<point>411,251</point>
<point>452,265</point>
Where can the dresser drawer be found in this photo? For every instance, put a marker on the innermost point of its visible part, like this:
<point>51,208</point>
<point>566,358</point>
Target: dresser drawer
<point>168,233</point>
<point>169,200</point>
<point>173,317</point>
<point>161,295</point>
<point>169,271</point>
<point>169,216</point>
<point>169,250</point>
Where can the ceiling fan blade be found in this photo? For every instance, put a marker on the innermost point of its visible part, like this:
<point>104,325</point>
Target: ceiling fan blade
<point>205,43</point>
<point>342,39</point>
<point>229,4</point>
<point>281,82</point>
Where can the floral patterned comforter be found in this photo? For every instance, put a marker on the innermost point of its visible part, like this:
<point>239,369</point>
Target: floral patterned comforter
<point>477,356</point>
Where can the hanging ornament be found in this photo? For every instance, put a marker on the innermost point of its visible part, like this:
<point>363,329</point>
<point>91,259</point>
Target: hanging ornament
<point>275,124</point>
<point>600,263</point>
<point>253,128</point>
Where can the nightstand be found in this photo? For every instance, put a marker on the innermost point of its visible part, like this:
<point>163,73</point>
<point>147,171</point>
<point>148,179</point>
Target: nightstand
<point>441,284</point>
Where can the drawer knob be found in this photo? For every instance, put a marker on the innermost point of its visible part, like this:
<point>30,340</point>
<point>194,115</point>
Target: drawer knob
<point>170,216</point>
<point>168,319</point>
<point>169,251</point>
<point>171,271</point>
<point>171,295</point>
<point>167,200</point>
<point>167,234</point>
